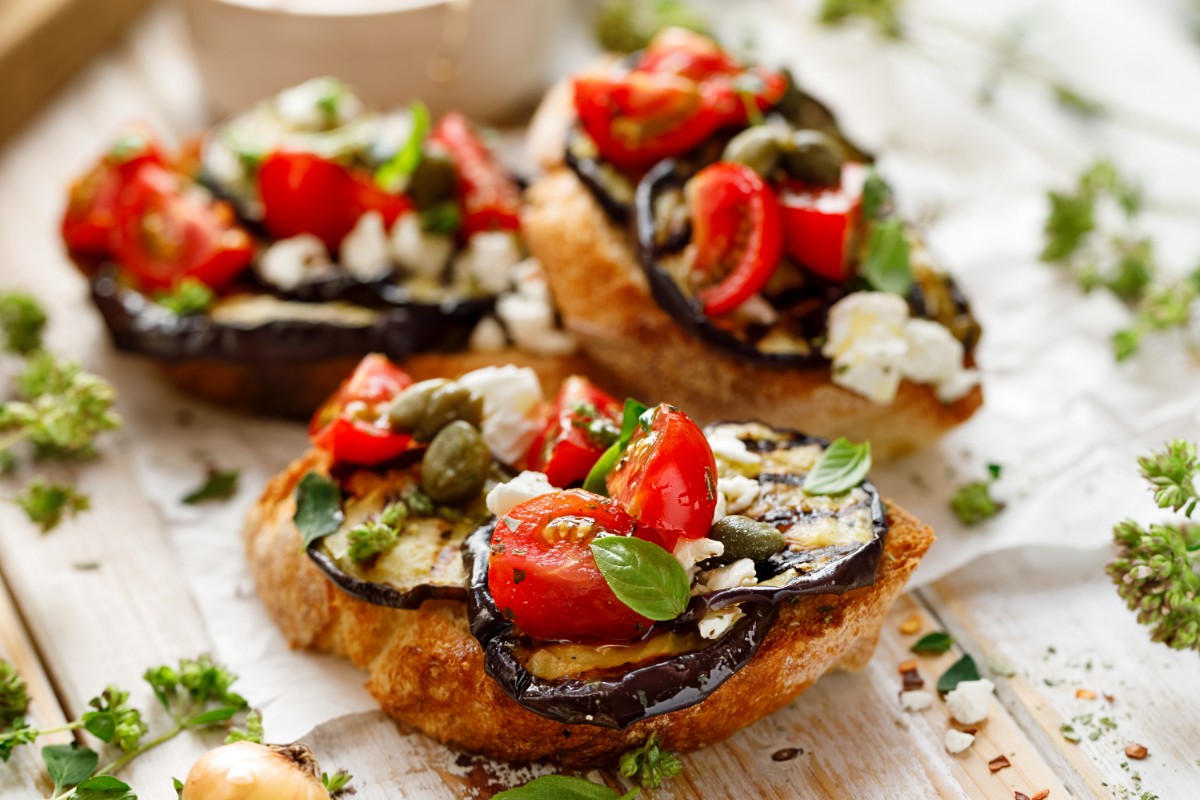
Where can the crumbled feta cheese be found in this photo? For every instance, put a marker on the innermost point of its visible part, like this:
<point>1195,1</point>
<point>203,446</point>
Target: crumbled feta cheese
<point>530,321</point>
<point>739,573</point>
<point>364,251</point>
<point>720,510</point>
<point>488,259</point>
<point>526,486</point>
<point>417,250</point>
<point>755,309</point>
<point>733,449</point>
<point>488,336</point>
<point>915,700</point>
<point>716,623</point>
<point>288,263</point>
<point>317,104</point>
<point>957,741</point>
<point>874,345</point>
<point>969,701</point>
<point>689,551</point>
<point>738,491</point>
<point>511,399</point>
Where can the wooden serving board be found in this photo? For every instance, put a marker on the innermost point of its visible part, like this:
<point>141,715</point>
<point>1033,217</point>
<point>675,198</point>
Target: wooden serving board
<point>104,596</point>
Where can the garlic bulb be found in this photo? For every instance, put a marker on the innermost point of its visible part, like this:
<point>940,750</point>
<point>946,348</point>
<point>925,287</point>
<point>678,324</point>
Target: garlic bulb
<point>248,771</point>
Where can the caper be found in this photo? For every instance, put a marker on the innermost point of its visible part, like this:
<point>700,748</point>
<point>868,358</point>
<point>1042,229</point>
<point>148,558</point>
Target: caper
<point>744,537</point>
<point>813,157</point>
<point>757,147</point>
<point>426,407</point>
<point>434,179</point>
<point>456,464</point>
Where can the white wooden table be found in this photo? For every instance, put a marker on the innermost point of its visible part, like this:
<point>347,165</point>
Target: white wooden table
<point>72,631</point>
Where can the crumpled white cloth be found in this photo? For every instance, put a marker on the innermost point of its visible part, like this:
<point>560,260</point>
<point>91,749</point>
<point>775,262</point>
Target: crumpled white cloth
<point>1062,418</point>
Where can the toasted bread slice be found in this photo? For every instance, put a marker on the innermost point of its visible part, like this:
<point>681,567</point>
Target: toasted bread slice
<point>603,297</point>
<point>426,669</point>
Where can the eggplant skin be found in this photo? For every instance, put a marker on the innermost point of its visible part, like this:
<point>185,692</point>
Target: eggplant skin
<point>137,324</point>
<point>643,692</point>
<point>382,594</point>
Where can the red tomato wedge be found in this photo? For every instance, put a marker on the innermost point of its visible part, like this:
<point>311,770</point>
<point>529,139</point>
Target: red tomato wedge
<point>305,193</point>
<point>168,229</point>
<point>90,218</point>
<point>583,421</point>
<point>737,233</point>
<point>667,478</point>
<point>544,578</point>
<point>643,117</point>
<point>489,197</point>
<point>680,51</point>
<point>353,426</point>
<point>729,96</point>
<point>820,224</point>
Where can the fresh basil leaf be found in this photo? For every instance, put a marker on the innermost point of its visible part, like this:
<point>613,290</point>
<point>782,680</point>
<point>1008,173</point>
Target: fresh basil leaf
<point>876,196</point>
<point>394,173</point>
<point>318,508</point>
<point>104,787</point>
<point>68,764</point>
<point>887,265</point>
<point>962,670</point>
<point>631,418</point>
<point>562,787</point>
<point>936,642</point>
<point>643,576</point>
<point>840,468</point>
<point>218,486</point>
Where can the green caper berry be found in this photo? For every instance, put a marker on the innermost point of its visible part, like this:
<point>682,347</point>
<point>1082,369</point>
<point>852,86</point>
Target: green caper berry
<point>433,181</point>
<point>408,407</point>
<point>448,403</point>
<point>813,157</point>
<point>744,537</point>
<point>456,464</point>
<point>758,147</point>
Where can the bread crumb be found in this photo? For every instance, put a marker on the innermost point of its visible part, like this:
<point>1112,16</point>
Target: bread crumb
<point>911,624</point>
<point>915,700</point>
<point>1137,751</point>
<point>1085,694</point>
<point>957,741</point>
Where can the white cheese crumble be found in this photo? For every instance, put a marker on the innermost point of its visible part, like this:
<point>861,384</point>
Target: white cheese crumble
<point>720,510</point>
<point>968,702</point>
<point>417,250</point>
<point>690,551</point>
<point>487,261</point>
<point>530,322</point>
<point>874,345</point>
<point>288,263</point>
<point>716,623</point>
<point>526,486</point>
<point>488,336</point>
<point>756,309</point>
<point>738,492</point>
<point>364,251</point>
<point>511,399</point>
<point>957,741</point>
<point>915,700</point>
<point>739,573</point>
<point>308,105</point>
<point>731,448</point>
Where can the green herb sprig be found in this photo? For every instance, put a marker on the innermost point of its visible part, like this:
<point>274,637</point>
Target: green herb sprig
<point>882,14</point>
<point>643,576</point>
<point>190,296</point>
<point>218,485</point>
<point>14,694</point>
<point>973,502</point>
<point>840,468</point>
<point>22,322</point>
<point>1157,569</point>
<point>623,26</point>
<point>649,765</point>
<point>318,507</point>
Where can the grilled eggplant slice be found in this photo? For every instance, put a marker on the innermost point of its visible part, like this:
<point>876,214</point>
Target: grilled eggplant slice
<point>426,561</point>
<point>609,687</point>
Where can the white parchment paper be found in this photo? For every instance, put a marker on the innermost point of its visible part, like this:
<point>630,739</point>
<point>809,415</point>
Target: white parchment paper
<point>1062,418</point>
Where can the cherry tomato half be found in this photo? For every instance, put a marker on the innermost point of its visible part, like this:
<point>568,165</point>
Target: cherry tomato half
<point>728,96</point>
<point>820,224</point>
<point>169,228</point>
<point>737,232</point>
<point>353,426</point>
<point>544,578</point>
<point>90,218</point>
<point>305,193</point>
<point>667,478</point>
<point>584,420</point>
<point>680,51</point>
<point>489,197</point>
<point>643,117</point>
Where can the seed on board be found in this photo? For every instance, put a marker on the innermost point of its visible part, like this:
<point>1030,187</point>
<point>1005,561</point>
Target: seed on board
<point>1085,694</point>
<point>1137,751</point>
<point>1042,795</point>
<point>911,624</point>
<point>998,763</point>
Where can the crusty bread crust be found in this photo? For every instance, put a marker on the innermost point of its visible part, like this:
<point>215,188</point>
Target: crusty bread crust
<point>297,390</point>
<point>427,670</point>
<point>603,297</point>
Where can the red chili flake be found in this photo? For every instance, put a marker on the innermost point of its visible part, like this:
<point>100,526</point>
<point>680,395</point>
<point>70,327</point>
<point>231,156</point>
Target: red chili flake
<point>1042,795</point>
<point>998,763</point>
<point>1020,796</point>
<point>912,680</point>
<point>1110,698</point>
<point>907,666</point>
<point>1137,751</point>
